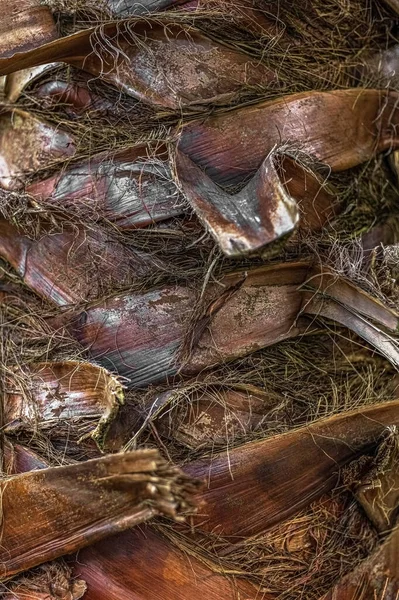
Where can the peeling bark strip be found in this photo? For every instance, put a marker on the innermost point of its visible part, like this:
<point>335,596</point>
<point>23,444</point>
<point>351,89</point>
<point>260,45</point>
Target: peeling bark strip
<point>342,128</point>
<point>249,311</point>
<point>376,578</point>
<point>28,144</point>
<point>41,395</point>
<point>57,511</point>
<point>143,565</point>
<point>160,63</point>
<point>264,210</point>
<point>24,25</point>
<point>140,564</point>
<point>132,188</point>
<point>257,485</point>
<point>76,265</point>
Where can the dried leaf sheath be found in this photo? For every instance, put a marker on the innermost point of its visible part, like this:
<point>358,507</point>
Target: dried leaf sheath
<point>132,188</point>
<point>164,64</point>
<point>251,310</point>
<point>347,128</point>
<point>57,511</point>
<point>255,486</point>
<point>46,394</point>
<point>24,25</point>
<point>139,564</point>
<point>75,265</point>
<point>143,565</point>
<point>28,144</point>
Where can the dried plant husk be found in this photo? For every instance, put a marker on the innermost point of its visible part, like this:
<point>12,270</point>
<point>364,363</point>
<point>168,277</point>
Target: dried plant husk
<point>131,188</point>
<point>17,459</point>
<point>302,555</point>
<point>28,144</point>
<point>25,25</point>
<point>126,561</point>
<point>143,565</point>
<point>52,581</point>
<point>373,479</point>
<point>117,333</point>
<point>16,83</point>
<point>376,577</point>
<point>208,416</point>
<point>288,471</point>
<point>161,63</point>
<point>45,396</point>
<point>348,128</point>
<point>74,265</point>
<point>250,310</point>
<point>266,209</point>
<point>76,505</point>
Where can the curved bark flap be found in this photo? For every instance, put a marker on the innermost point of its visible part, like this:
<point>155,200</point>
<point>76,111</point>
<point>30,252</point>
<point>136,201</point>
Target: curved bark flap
<point>341,128</point>
<point>17,82</point>
<point>77,265</point>
<point>250,311</point>
<point>41,395</point>
<point>257,485</point>
<point>132,188</point>
<point>160,63</point>
<point>77,505</point>
<point>267,208</point>
<point>245,222</point>
<point>24,25</point>
<point>143,565</point>
<point>336,298</point>
<point>28,144</point>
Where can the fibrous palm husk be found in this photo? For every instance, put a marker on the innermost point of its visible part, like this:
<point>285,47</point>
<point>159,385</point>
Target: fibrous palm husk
<point>133,487</point>
<point>348,128</point>
<point>74,265</point>
<point>28,144</point>
<point>287,471</point>
<point>41,396</point>
<point>161,63</point>
<point>25,26</point>
<point>131,189</point>
<point>264,302</point>
<point>143,565</point>
<point>126,561</point>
